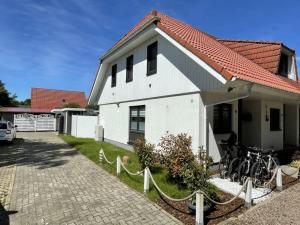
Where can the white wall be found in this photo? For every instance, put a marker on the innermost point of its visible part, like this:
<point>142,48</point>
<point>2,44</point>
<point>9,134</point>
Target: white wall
<point>84,126</point>
<point>177,114</point>
<point>176,73</point>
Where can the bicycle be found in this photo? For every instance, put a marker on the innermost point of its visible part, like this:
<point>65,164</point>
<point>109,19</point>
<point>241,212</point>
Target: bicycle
<point>262,170</point>
<point>245,166</point>
<point>224,163</point>
<point>233,169</point>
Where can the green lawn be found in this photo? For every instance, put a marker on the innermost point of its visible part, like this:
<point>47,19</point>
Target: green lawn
<point>90,148</point>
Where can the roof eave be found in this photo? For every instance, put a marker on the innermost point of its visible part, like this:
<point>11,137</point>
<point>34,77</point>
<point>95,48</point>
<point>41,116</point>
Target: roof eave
<point>118,46</point>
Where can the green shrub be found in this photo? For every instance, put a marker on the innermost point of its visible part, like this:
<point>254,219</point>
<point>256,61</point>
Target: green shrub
<point>183,166</point>
<point>145,153</point>
<point>176,154</point>
<point>195,176</point>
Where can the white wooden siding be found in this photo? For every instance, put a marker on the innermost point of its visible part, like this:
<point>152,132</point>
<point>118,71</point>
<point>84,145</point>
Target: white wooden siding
<point>176,74</point>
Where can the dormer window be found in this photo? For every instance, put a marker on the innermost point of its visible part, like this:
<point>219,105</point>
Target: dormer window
<point>283,69</point>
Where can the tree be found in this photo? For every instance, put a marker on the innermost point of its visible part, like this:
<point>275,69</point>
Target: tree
<point>6,99</point>
<point>25,103</point>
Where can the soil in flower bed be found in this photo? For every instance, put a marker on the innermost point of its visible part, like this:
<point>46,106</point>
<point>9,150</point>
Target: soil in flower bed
<point>221,212</point>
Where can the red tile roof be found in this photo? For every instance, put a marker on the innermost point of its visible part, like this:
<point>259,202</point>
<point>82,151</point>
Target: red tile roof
<point>265,54</point>
<point>230,63</point>
<point>23,110</point>
<point>49,98</point>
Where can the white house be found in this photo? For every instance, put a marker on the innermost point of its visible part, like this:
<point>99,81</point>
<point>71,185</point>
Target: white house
<point>165,75</point>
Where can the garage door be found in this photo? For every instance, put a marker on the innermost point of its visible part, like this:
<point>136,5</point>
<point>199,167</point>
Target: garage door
<point>30,122</point>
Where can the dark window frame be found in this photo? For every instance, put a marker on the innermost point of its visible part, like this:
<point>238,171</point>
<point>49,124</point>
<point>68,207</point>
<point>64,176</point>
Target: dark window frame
<point>275,119</point>
<point>222,123</point>
<point>114,71</point>
<point>129,68</point>
<point>136,133</point>
<point>152,50</point>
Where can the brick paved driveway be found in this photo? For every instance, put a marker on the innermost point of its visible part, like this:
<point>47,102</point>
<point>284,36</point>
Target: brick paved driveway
<point>56,185</point>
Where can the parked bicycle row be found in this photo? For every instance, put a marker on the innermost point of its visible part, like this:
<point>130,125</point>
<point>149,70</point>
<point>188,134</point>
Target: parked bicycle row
<point>240,162</point>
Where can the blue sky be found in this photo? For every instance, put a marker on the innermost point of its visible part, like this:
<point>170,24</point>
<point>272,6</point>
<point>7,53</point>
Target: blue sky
<point>57,43</point>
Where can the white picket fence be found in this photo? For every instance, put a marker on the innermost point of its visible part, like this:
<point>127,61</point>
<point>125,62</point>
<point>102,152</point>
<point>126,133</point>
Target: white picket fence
<point>31,122</point>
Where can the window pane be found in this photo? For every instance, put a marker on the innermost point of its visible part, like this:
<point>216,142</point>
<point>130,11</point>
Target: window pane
<point>134,113</point>
<point>133,125</point>
<point>129,68</point>
<point>141,126</point>
<point>142,113</point>
<point>114,75</point>
<point>152,58</point>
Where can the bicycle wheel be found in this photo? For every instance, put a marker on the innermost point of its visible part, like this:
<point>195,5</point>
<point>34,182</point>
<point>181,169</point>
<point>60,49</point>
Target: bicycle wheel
<point>259,173</point>
<point>233,169</point>
<point>243,171</point>
<point>223,166</point>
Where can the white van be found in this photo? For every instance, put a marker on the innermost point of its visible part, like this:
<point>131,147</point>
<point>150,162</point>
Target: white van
<point>7,131</point>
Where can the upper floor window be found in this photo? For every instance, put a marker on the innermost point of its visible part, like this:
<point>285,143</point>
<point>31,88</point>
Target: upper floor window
<point>129,68</point>
<point>222,118</point>
<point>152,58</point>
<point>114,75</point>
<point>283,69</point>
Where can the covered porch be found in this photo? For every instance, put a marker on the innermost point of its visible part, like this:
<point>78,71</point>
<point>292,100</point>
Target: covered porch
<point>260,116</point>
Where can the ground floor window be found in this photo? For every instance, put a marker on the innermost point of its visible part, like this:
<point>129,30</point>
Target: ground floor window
<point>222,118</point>
<point>136,123</point>
<point>274,119</point>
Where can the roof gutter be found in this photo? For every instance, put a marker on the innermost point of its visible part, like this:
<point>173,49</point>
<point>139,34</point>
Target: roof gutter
<point>138,31</point>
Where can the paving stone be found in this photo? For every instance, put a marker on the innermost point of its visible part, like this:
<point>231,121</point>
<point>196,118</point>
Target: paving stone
<point>54,184</point>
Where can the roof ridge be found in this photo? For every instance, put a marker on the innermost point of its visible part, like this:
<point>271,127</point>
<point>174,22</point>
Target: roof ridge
<point>217,41</point>
<point>250,41</point>
<point>182,22</point>
<point>53,89</point>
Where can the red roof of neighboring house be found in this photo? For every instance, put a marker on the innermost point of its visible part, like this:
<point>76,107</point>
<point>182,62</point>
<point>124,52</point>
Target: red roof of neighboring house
<point>42,98</point>
<point>23,110</point>
<point>230,63</point>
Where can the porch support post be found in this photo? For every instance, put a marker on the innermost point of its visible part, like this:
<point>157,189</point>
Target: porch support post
<point>205,130</point>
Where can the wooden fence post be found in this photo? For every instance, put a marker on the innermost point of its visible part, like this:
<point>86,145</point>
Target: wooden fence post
<point>279,180</point>
<point>248,196</point>
<point>199,209</point>
<point>146,180</point>
<point>118,165</point>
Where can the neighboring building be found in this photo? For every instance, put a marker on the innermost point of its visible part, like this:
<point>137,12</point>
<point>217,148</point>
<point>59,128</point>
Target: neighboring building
<point>51,98</point>
<point>39,116</point>
<point>167,76</point>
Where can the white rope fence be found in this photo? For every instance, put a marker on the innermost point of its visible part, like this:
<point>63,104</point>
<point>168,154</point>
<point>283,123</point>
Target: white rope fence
<point>247,187</point>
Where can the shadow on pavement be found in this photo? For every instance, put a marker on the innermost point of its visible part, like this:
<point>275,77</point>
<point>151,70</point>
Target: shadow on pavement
<point>4,215</point>
<point>34,152</point>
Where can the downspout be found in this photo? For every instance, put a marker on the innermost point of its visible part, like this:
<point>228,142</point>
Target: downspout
<point>205,122</point>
